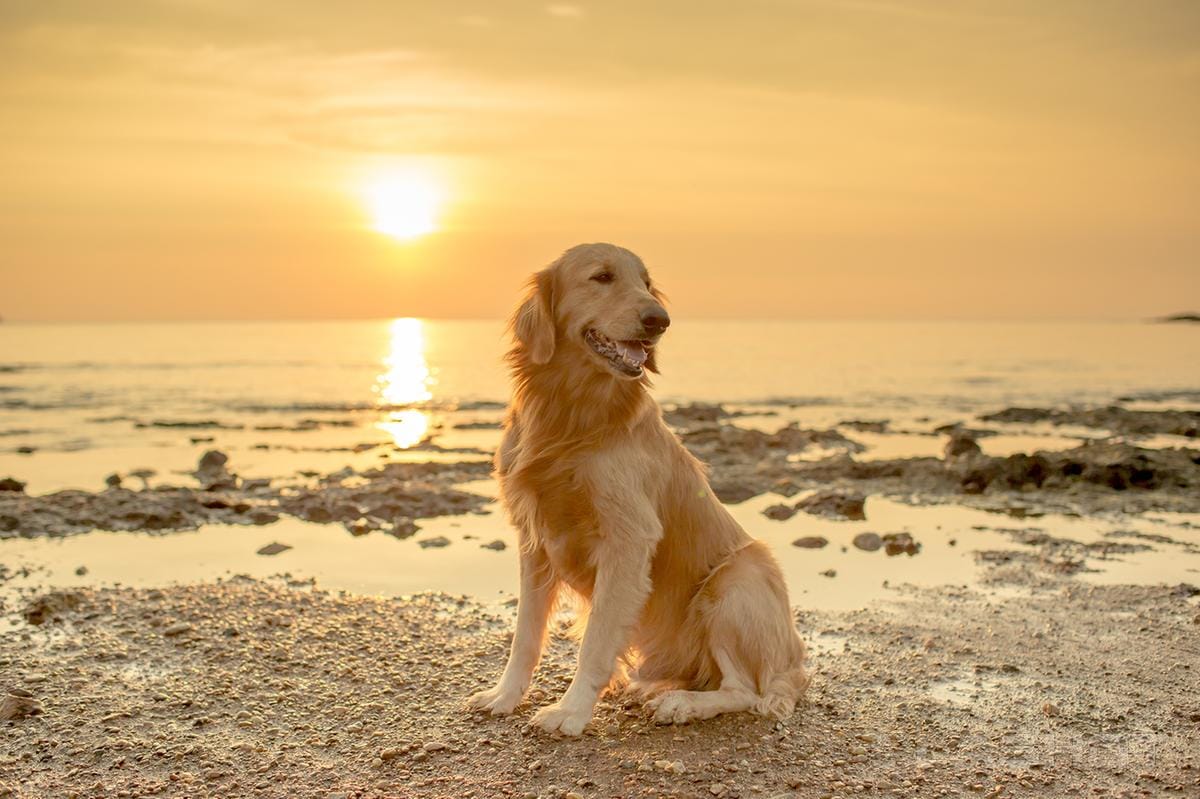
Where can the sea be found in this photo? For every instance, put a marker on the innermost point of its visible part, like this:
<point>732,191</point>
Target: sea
<point>80,402</point>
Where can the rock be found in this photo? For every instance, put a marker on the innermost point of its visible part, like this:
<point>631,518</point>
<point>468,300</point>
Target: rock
<point>1050,710</point>
<point>865,426</point>
<point>434,746</point>
<point>113,480</point>
<point>14,708</point>
<point>50,606</point>
<point>81,571</point>
<point>834,505</point>
<point>358,527</point>
<point>496,545</point>
<point>961,445</point>
<point>810,542</point>
<point>176,629</point>
<point>1114,418</point>
<point>829,573</point>
<point>212,472</point>
<point>785,487</point>
<point>390,754</point>
<point>733,493</point>
<point>403,527</point>
<point>437,542</point>
<point>868,542</point>
<point>897,543</point>
<point>274,548</point>
<point>779,512</point>
<point>11,484</point>
<point>261,516</point>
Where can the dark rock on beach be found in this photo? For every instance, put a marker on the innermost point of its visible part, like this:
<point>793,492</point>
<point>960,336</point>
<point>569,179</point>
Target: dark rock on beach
<point>834,505</point>
<point>398,491</point>
<point>900,543</point>
<point>868,542</point>
<point>1121,421</point>
<point>11,484</point>
<point>725,444</point>
<point>779,512</point>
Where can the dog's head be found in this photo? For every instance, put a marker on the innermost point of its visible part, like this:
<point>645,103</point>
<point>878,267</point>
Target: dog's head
<point>595,302</point>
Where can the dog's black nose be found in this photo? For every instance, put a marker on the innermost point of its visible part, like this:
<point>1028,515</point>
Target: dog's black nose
<point>655,320</point>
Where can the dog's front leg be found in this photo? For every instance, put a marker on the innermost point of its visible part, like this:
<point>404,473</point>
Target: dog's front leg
<point>620,591</point>
<point>539,586</point>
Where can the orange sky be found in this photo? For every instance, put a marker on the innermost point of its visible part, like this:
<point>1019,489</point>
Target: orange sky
<point>189,159</point>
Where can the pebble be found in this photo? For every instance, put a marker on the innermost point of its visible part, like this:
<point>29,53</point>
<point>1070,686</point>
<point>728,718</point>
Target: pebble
<point>779,512</point>
<point>178,628</point>
<point>810,542</point>
<point>434,746</point>
<point>868,542</point>
<point>496,545</point>
<point>437,542</point>
<point>274,548</point>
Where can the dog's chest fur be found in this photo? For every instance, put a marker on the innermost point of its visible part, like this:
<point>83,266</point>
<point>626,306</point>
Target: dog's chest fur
<point>563,519</point>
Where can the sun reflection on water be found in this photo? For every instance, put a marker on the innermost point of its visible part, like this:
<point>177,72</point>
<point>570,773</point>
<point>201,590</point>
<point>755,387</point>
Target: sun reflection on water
<point>405,381</point>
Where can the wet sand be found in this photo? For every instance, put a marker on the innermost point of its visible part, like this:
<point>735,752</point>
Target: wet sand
<point>973,621</point>
<point>260,688</point>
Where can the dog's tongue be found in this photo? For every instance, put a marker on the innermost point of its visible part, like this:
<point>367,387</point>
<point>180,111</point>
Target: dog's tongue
<point>632,352</point>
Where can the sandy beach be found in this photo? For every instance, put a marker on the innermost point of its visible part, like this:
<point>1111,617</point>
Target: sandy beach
<point>1043,674</point>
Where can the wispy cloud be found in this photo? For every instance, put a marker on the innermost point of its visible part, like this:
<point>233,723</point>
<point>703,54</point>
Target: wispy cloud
<point>564,10</point>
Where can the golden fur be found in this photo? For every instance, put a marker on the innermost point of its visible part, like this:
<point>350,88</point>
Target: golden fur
<point>609,504</point>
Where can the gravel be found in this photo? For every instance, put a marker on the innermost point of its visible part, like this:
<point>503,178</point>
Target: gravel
<point>1062,689</point>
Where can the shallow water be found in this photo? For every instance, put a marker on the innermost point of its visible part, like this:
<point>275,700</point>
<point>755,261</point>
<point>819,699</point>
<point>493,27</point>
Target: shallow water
<point>378,564</point>
<point>282,398</point>
<point>76,394</point>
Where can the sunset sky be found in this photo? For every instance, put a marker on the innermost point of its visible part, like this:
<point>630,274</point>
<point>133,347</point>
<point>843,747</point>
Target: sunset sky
<point>882,159</point>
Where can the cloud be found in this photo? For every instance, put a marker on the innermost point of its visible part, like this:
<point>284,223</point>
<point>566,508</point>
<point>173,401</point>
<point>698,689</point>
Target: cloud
<point>564,11</point>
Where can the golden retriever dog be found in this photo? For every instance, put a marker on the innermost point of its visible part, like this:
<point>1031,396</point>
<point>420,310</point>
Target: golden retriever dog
<point>609,505</point>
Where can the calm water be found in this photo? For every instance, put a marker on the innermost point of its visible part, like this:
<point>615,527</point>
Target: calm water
<point>76,394</point>
<point>85,401</point>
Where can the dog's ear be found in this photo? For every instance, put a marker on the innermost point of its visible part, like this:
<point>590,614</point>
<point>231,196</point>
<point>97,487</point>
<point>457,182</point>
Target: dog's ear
<point>533,324</point>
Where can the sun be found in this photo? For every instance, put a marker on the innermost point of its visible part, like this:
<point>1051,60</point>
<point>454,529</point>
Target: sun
<point>403,205</point>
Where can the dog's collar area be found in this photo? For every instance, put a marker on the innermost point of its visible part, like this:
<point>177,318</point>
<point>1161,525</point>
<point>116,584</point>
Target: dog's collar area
<point>627,357</point>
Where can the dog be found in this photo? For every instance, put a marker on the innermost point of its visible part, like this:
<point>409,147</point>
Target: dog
<point>609,505</point>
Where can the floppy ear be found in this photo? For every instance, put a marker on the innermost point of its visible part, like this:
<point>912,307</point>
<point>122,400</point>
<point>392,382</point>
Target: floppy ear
<point>533,323</point>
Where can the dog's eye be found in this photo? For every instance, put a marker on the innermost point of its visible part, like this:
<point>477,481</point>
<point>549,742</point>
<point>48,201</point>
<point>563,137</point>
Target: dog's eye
<point>603,277</point>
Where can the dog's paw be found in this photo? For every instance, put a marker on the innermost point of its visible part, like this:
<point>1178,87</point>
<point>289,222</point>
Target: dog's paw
<point>557,719</point>
<point>499,701</point>
<point>673,707</point>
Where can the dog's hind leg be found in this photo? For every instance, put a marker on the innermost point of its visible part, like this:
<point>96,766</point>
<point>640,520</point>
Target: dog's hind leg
<point>539,586</point>
<point>736,694</point>
<point>752,640</point>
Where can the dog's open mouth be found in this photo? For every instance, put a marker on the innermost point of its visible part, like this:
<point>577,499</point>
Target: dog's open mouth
<point>627,357</point>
